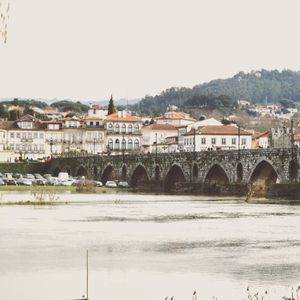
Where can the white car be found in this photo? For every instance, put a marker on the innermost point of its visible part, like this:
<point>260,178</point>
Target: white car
<point>111,184</point>
<point>123,184</point>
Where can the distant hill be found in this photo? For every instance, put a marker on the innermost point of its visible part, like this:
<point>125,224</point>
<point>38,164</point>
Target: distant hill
<point>257,86</point>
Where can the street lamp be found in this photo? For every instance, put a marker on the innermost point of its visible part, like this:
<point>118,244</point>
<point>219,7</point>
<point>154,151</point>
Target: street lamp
<point>94,146</point>
<point>292,135</point>
<point>194,142</point>
<point>123,147</point>
<point>51,144</point>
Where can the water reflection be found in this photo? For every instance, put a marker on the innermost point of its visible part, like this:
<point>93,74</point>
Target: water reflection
<point>147,246</point>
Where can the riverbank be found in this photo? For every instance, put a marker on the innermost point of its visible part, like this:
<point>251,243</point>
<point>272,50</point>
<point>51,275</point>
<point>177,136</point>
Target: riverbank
<point>17,188</point>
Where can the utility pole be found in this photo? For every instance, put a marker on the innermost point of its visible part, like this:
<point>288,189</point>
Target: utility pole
<point>239,142</point>
<point>292,135</point>
<point>194,143</point>
<point>156,147</point>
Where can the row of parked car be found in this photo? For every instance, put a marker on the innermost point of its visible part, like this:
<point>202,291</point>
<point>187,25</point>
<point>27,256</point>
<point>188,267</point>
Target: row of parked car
<point>63,179</point>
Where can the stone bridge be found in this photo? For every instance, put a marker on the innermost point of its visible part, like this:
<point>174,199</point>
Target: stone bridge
<point>262,167</point>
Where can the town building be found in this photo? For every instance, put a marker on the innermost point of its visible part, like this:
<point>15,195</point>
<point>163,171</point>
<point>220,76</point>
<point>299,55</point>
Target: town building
<point>260,140</point>
<point>123,133</point>
<point>225,137</point>
<point>156,134</point>
<point>175,118</point>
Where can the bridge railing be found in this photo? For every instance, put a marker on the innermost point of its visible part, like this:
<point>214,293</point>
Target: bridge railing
<point>192,155</point>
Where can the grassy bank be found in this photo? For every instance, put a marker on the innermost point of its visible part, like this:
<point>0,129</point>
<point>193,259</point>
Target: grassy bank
<point>18,188</point>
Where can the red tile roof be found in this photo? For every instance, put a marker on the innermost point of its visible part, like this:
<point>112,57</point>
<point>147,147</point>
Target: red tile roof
<point>159,127</point>
<point>219,130</point>
<point>123,118</point>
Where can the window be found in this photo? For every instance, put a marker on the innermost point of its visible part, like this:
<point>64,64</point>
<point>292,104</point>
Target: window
<point>97,123</point>
<point>243,141</point>
<point>233,141</point>
<point>213,141</point>
<point>110,126</point>
<point>130,128</point>
<point>123,128</point>
<point>41,135</point>
<point>223,141</point>
<point>89,136</point>
<point>35,135</point>
<point>24,135</point>
<point>123,144</point>
<point>117,144</point>
<point>110,144</point>
<point>136,127</point>
<point>17,147</point>
<point>203,141</point>
<point>136,144</point>
<point>41,147</point>
<point>30,135</point>
<point>11,146</point>
<point>117,128</point>
<point>35,147</point>
<point>18,135</point>
<point>12,135</point>
<point>130,144</point>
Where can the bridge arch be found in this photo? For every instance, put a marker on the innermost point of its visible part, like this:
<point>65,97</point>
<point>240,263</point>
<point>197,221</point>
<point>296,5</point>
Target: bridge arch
<point>81,171</point>
<point>216,176</point>
<point>174,175</point>
<point>95,173</point>
<point>68,170</point>
<point>139,176</point>
<point>239,172</point>
<point>56,171</point>
<point>124,173</point>
<point>108,174</point>
<point>293,170</point>
<point>263,174</point>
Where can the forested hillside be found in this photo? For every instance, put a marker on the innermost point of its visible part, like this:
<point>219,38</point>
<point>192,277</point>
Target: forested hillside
<point>256,86</point>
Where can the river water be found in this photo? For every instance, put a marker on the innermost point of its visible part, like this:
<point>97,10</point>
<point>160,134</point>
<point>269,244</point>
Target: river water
<point>148,247</point>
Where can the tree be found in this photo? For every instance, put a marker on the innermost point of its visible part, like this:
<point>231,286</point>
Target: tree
<point>111,106</point>
<point>286,103</point>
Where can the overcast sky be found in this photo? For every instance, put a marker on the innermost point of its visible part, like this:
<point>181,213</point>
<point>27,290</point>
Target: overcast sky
<point>88,49</point>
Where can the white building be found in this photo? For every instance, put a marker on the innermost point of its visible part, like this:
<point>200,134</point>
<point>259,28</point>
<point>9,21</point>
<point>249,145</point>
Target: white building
<point>156,134</point>
<point>205,122</point>
<point>225,137</point>
<point>123,133</point>
<point>175,118</point>
<point>97,111</point>
<point>25,137</point>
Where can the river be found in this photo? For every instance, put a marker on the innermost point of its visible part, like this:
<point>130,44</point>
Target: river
<point>148,247</point>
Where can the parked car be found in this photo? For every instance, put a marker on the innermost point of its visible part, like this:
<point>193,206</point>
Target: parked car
<point>29,176</point>
<point>24,181</point>
<point>98,183</point>
<point>2,181</point>
<point>111,184</point>
<point>39,179</point>
<point>123,184</point>
<point>53,181</point>
<point>63,176</point>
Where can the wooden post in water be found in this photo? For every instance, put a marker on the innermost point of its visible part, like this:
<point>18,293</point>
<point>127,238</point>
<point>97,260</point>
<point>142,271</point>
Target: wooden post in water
<point>87,274</point>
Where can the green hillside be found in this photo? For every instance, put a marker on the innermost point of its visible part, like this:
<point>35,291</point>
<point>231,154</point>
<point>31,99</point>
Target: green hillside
<point>256,86</point>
